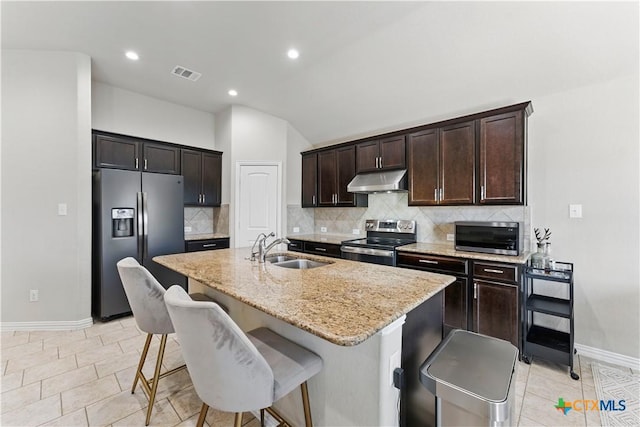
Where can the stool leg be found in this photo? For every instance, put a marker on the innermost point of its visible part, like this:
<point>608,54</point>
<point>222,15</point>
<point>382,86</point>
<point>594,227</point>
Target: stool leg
<point>237,422</point>
<point>203,415</point>
<point>262,417</point>
<point>145,350</point>
<point>305,405</point>
<point>156,377</point>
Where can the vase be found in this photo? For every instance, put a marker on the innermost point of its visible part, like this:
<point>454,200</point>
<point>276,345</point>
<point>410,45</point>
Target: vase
<point>548,262</point>
<point>538,257</point>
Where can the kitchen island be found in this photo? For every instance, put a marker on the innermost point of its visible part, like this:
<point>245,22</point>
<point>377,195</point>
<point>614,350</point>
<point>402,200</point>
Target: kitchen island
<point>349,313</point>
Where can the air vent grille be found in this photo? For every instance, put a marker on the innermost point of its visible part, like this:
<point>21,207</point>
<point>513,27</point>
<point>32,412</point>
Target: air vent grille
<point>185,73</point>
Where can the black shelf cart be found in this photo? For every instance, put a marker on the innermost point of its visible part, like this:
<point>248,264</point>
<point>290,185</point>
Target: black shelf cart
<point>553,345</point>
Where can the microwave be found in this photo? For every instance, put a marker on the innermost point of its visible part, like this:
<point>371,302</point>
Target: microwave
<point>502,238</point>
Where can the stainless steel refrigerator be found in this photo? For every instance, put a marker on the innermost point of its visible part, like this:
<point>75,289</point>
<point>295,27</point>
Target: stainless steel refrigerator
<point>135,214</point>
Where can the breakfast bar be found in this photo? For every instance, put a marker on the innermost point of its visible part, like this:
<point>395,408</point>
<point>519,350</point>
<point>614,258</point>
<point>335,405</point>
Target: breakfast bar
<point>349,313</point>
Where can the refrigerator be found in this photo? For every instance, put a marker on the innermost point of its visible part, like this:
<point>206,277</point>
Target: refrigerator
<point>135,214</point>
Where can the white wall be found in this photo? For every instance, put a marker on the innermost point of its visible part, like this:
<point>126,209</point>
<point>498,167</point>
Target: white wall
<point>46,160</point>
<point>584,150</point>
<point>129,113</point>
<point>251,135</point>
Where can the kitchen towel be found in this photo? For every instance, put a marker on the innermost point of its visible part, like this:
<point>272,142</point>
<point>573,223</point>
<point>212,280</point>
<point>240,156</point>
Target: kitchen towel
<point>617,384</point>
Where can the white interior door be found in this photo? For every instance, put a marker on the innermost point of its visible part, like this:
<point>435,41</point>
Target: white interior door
<point>258,201</point>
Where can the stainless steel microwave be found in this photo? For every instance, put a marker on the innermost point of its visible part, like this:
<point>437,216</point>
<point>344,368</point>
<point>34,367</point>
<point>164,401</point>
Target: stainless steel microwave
<point>503,238</point>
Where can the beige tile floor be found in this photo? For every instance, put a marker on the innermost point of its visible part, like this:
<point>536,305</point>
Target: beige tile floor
<point>83,377</point>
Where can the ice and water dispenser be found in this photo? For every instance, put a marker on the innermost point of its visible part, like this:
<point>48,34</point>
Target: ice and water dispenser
<point>122,222</point>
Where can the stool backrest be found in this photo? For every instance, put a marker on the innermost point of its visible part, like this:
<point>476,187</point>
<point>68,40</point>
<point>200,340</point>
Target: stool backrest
<point>146,297</point>
<point>228,372</point>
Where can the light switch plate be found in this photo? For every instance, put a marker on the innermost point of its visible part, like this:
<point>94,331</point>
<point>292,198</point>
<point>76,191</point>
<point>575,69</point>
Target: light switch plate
<point>296,229</point>
<point>323,229</point>
<point>575,211</point>
<point>62,209</point>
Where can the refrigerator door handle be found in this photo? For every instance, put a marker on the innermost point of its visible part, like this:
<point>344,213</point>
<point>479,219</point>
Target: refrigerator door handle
<point>145,226</point>
<point>140,225</point>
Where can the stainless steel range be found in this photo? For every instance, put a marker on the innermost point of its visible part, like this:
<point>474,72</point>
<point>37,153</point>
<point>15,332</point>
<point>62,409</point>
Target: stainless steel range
<point>383,237</point>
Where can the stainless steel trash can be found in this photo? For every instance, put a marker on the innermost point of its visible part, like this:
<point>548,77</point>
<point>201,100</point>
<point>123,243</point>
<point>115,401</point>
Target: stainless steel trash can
<point>473,378</point>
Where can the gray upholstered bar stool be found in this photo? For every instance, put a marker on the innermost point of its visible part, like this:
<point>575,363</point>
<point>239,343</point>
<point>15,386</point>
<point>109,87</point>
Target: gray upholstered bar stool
<point>146,298</point>
<point>233,371</point>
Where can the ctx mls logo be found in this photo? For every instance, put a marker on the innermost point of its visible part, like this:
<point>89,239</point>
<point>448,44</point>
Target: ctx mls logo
<point>590,405</point>
<point>563,406</point>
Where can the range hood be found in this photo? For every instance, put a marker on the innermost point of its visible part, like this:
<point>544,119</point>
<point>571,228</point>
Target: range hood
<point>379,182</point>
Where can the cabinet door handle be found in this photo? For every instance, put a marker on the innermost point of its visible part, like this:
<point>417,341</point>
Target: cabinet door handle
<point>313,200</point>
<point>136,163</point>
<point>475,290</point>
<point>435,194</point>
<point>204,198</point>
<point>320,249</point>
<point>145,164</point>
<point>441,194</point>
<point>492,270</point>
<point>428,261</point>
<point>209,245</point>
<point>381,167</point>
<point>482,192</point>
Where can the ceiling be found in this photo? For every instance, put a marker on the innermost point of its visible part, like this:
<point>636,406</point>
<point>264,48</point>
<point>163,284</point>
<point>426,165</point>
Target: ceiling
<point>364,67</point>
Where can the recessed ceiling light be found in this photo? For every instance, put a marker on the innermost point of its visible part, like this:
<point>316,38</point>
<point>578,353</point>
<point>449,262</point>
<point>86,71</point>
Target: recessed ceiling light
<point>293,53</point>
<point>132,55</point>
<point>233,92</point>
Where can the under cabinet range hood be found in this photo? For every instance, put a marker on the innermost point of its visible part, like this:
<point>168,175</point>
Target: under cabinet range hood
<point>379,182</point>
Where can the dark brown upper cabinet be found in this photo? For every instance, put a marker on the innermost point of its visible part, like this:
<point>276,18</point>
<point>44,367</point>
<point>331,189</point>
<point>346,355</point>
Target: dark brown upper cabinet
<point>441,165</point>
<point>387,153</point>
<point>119,152</point>
<point>202,172</point>
<point>336,168</point>
<point>123,152</point>
<point>501,152</point>
<point>160,158</point>
<point>309,180</point>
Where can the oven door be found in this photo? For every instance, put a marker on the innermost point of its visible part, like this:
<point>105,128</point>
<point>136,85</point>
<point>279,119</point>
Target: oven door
<point>374,256</point>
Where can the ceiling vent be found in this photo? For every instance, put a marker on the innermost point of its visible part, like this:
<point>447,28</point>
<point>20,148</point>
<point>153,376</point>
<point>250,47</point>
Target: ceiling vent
<point>186,73</point>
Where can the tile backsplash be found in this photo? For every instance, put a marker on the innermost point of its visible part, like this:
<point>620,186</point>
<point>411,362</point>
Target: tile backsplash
<point>434,222</point>
<point>207,220</point>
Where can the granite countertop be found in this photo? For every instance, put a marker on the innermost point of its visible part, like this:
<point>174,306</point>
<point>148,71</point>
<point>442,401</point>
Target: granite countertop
<point>345,302</point>
<point>336,239</point>
<point>449,250</point>
<point>190,237</point>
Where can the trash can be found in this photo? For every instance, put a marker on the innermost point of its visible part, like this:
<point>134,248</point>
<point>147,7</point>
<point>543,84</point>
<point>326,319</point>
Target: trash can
<point>473,379</point>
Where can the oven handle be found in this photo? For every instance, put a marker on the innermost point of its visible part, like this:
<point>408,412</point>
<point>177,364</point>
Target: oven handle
<point>367,251</point>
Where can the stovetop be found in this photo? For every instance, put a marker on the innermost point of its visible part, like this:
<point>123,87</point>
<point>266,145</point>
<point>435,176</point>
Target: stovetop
<point>386,234</point>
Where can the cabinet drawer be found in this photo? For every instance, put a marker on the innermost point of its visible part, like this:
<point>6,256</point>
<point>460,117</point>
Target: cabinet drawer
<point>295,245</point>
<point>326,249</point>
<point>206,245</point>
<point>432,262</point>
<point>494,271</point>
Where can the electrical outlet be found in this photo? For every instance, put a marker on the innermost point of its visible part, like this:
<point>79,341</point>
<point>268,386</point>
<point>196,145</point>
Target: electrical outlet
<point>575,211</point>
<point>62,209</point>
<point>394,362</point>
<point>323,229</point>
<point>450,237</point>
<point>33,295</point>
<point>356,231</point>
<point>296,229</point>
<point>187,229</point>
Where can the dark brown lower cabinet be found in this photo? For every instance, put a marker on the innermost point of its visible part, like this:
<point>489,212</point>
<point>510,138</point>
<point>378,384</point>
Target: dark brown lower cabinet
<point>495,310</point>
<point>454,313</point>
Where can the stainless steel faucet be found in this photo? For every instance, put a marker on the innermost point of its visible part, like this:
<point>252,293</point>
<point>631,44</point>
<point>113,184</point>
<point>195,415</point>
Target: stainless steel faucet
<point>263,249</point>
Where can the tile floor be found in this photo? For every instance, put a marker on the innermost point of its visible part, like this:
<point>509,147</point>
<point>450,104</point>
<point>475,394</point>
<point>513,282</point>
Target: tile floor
<point>83,377</point>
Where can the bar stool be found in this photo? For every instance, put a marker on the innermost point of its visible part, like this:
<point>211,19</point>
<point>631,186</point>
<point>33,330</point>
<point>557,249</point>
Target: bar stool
<point>233,371</point>
<point>146,298</point>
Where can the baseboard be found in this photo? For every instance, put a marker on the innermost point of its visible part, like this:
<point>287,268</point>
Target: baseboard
<point>608,356</point>
<point>61,325</point>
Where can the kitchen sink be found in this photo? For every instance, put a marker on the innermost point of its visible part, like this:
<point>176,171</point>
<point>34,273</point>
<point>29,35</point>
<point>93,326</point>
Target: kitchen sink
<point>300,264</point>
<point>279,258</point>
